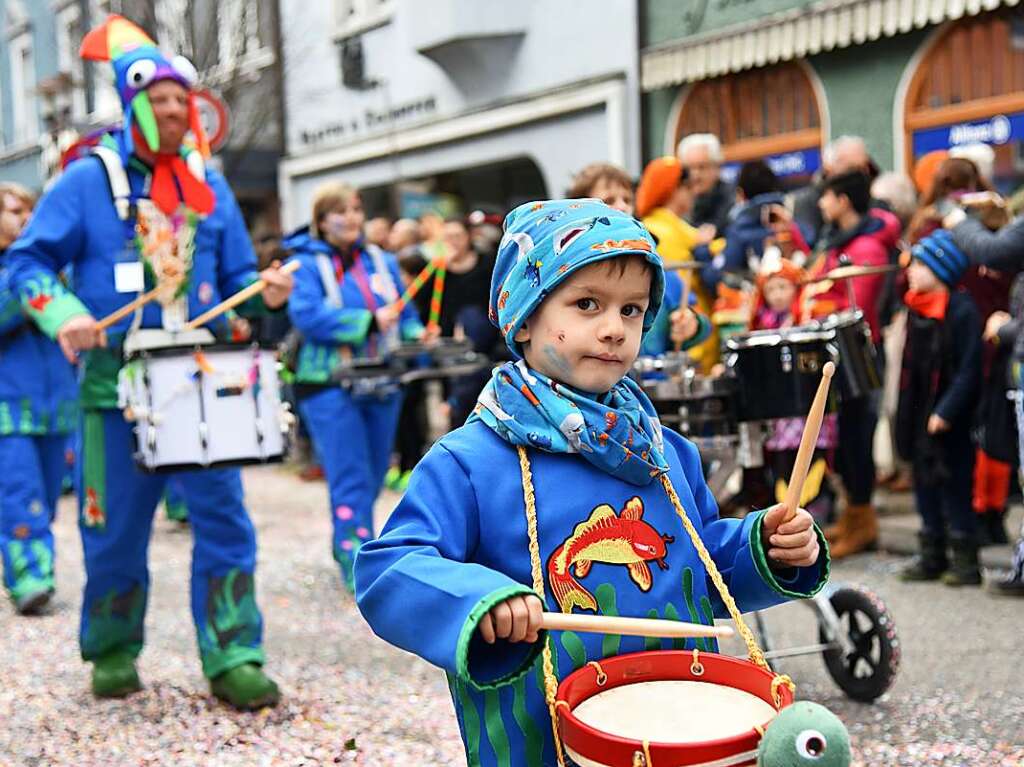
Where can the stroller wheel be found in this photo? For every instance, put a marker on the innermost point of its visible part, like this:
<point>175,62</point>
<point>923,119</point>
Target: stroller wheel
<point>870,668</point>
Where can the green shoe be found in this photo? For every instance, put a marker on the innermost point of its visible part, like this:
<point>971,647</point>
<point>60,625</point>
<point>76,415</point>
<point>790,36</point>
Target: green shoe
<point>246,688</point>
<point>33,602</point>
<point>114,675</point>
<point>393,478</point>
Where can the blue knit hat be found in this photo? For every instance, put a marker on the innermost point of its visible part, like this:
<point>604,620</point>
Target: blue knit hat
<point>939,253</point>
<point>547,241</point>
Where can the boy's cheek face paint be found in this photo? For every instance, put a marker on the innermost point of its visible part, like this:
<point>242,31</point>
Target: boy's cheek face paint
<point>557,361</point>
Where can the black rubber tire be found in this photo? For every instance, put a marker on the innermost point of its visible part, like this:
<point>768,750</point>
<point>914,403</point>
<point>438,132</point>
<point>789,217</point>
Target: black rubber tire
<point>871,669</point>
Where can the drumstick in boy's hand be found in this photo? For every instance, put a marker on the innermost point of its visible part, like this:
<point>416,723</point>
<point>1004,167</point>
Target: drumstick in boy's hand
<point>642,627</point>
<point>807,442</point>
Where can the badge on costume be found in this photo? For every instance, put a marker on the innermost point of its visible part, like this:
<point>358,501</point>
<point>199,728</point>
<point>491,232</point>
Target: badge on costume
<point>379,284</point>
<point>129,277</point>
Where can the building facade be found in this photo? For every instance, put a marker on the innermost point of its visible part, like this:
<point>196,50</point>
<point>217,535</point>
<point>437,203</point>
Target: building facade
<point>453,104</point>
<point>49,96</point>
<point>777,79</point>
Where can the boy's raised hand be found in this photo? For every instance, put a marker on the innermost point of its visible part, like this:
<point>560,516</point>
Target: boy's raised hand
<point>789,544</point>
<point>517,619</point>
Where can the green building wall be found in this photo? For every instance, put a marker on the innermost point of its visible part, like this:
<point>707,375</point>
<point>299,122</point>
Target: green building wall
<point>860,85</point>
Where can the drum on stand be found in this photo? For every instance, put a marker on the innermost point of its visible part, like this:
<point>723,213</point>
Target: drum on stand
<point>777,371</point>
<point>196,404</point>
<point>670,707</point>
<point>858,369</point>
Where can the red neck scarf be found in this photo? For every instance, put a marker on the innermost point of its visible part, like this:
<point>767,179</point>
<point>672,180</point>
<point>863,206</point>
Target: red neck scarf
<point>931,304</point>
<point>171,174</point>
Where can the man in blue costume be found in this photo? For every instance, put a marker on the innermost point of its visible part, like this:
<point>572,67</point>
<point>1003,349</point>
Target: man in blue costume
<point>37,412</point>
<point>563,478</point>
<point>147,194</point>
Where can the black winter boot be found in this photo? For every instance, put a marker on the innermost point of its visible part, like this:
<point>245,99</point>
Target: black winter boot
<point>963,570</point>
<point>931,563</point>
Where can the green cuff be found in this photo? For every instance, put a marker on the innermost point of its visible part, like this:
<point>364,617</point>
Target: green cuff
<point>702,334</point>
<point>770,577</point>
<point>58,310</point>
<point>469,628</point>
<point>217,662</point>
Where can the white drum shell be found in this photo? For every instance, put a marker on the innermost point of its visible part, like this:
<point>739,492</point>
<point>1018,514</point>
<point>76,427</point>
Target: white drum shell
<point>185,418</point>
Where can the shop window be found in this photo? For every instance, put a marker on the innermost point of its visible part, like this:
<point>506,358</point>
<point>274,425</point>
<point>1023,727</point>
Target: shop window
<point>969,88</point>
<point>770,113</point>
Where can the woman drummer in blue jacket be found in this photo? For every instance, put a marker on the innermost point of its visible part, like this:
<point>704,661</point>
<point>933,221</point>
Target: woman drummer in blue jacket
<point>342,306</point>
<point>38,400</point>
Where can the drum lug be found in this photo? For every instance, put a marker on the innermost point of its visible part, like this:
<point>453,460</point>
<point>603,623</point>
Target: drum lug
<point>786,359</point>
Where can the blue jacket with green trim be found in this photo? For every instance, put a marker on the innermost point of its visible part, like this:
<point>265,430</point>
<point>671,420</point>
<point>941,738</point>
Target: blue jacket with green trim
<point>38,390</point>
<point>456,545</point>
<point>76,224</point>
<point>327,325</point>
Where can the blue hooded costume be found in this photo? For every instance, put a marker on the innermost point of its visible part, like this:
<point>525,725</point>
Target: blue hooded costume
<point>457,544</point>
<point>352,426</point>
<point>38,402</point>
<point>83,222</point>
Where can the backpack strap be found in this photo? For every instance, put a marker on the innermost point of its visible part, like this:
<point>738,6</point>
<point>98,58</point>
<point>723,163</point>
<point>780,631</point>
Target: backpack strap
<point>117,177</point>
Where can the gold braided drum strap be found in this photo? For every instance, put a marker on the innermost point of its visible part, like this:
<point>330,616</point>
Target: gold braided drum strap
<point>550,682</point>
<point>754,652</point>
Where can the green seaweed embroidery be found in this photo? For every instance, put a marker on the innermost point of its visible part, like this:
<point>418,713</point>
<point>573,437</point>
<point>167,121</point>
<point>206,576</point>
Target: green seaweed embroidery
<point>605,594</point>
<point>533,735</point>
<point>232,617</point>
<point>691,606</point>
<point>115,622</point>
<point>574,647</point>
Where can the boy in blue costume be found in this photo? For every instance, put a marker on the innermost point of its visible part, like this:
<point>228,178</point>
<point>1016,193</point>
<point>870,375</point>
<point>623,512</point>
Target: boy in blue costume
<point>574,288</point>
<point>38,404</point>
<point>345,289</point>
<point>101,217</point>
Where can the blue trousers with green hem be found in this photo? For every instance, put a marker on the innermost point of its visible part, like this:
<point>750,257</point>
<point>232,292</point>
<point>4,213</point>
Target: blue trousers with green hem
<point>116,507</point>
<point>31,470</point>
<point>353,436</point>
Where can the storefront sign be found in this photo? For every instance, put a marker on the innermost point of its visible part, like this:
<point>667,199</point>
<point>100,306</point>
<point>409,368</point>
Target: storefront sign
<point>802,163</point>
<point>995,130</point>
<point>371,121</point>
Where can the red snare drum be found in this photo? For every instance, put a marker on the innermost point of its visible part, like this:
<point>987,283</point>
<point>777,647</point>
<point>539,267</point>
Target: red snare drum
<point>678,707</point>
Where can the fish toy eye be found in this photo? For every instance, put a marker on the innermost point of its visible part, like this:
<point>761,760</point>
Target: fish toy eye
<point>140,74</point>
<point>186,69</point>
<point>811,744</point>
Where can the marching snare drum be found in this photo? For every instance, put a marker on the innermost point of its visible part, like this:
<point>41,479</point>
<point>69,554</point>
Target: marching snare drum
<point>199,405</point>
<point>777,371</point>
<point>858,369</point>
<point>445,358</point>
<point>677,707</point>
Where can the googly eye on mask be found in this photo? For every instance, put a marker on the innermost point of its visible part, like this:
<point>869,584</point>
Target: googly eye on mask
<point>186,69</point>
<point>140,74</point>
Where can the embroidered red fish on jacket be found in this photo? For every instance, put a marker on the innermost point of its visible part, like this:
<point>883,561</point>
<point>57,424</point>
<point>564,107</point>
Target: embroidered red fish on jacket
<point>624,539</point>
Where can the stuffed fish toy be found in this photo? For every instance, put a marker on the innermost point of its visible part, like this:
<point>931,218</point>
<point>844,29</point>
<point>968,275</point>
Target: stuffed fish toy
<point>805,735</point>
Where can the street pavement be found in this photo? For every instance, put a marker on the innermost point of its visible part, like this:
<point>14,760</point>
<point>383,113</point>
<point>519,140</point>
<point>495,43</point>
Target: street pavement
<point>352,699</point>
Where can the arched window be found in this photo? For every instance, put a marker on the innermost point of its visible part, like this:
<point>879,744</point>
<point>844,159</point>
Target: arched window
<point>771,113</point>
<point>968,88</point>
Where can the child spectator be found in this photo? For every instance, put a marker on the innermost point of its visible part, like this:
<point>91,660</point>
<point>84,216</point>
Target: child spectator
<point>939,385</point>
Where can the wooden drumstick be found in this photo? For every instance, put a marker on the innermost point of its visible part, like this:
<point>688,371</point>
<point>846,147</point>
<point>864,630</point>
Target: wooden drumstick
<point>124,311</point>
<point>232,301</point>
<point>807,442</point>
<point>641,627</point>
<point>684,304</point>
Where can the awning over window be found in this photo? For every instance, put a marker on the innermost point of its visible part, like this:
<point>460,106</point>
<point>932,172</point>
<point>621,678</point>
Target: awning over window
<point>818,27</point>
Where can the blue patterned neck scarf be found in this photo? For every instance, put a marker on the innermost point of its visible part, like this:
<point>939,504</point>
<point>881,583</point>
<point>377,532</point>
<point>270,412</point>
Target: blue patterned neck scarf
<point>618,431</point>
